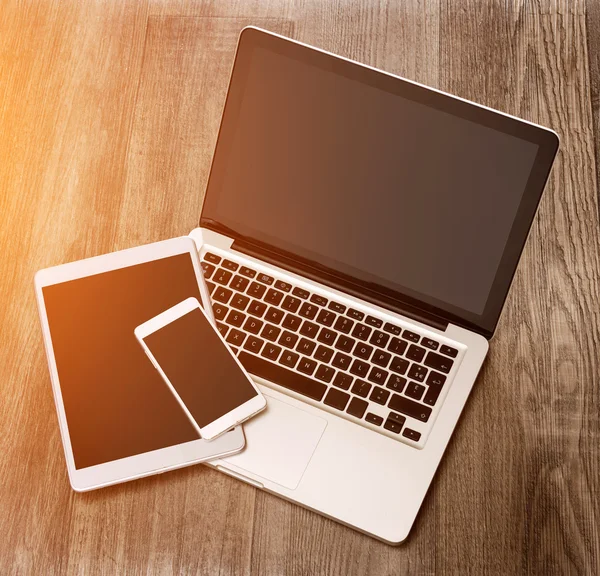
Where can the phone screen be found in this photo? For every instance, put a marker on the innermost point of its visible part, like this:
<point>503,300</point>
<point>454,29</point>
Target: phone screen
<point>200,367</point>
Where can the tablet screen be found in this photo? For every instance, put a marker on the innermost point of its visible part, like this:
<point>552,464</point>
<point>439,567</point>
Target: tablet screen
<point>116,403</point>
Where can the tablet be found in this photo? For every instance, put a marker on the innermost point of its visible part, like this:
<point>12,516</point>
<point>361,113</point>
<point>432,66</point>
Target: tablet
<point>118,420</point>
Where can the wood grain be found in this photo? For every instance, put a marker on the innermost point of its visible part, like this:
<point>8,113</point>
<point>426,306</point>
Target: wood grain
<point>108,115</point>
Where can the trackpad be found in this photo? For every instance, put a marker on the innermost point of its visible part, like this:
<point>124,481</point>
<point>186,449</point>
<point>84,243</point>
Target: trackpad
<point>280,442</point>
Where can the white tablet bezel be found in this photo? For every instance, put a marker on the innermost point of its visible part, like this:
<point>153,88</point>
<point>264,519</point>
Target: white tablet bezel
<point>147,463</point>
<point>231,418</point>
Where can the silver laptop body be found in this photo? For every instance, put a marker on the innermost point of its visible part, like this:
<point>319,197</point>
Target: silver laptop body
<point>362,398</point>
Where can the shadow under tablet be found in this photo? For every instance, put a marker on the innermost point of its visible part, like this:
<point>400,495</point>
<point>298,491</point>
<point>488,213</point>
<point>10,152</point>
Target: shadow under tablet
<point>116,403</point>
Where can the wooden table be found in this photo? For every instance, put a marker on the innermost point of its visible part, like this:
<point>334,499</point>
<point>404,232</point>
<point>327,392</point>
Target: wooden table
<point>108,118</point>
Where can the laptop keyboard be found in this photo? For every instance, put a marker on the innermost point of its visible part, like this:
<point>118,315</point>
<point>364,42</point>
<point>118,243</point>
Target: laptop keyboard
<point>359,366</point>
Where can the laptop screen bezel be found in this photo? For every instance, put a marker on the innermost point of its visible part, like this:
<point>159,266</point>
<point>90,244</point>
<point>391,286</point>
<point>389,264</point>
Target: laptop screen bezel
<point>546,140</point>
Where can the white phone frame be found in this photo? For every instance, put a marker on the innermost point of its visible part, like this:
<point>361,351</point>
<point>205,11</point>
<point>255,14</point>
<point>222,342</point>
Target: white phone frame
<point>148,463</point>
<point>232,418</point>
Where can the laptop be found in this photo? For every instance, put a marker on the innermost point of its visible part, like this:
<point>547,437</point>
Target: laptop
<point>358,237</point>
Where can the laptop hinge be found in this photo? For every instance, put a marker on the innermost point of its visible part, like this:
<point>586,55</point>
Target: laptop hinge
<point>334,282</point>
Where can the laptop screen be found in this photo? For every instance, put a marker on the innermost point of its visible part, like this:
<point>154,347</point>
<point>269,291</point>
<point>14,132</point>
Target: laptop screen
<point>411,192</point>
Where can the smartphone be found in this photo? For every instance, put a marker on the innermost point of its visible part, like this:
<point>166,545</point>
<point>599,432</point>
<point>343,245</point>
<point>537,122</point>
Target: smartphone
<point>206,378</point>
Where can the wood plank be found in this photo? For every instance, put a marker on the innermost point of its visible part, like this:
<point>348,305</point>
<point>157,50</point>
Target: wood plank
<point>206,519</point>
<point>530,405</point>
<point>65,114</point>
<point>181,97</point>
<point>592,22</point>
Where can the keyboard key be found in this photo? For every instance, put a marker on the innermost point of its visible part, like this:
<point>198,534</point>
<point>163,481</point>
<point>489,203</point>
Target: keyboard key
<point>211,286</point>
<point>363,351</point>
<point>239,283</point>
<point>253,344</point>
<point>265,278</point>
<point>235,337</point>
<point>230,265</point>
<point>379,395</point>
<point>355,314</point>
<point>274,315</point>
<point>372,321</point>
<point>411,434</point>
<point>274,297</point>
<point>379,338</point>
<point>325,373</point>
<point>256,290</point>
<point>433,393</point>
<point>336,307</point>
<point>374,419</point>
<point>342,361</point>
<point>239,301</point>
<point>253,325</point>
<point>325,317</point>
<point>345,343</point>
<point>222,276</point>
<point>309,329</point>
<point>417,372</point>
<point>437,362</point>
<point>377,375</point>
<point>222,295</point>
<point>270,332</point>
<point>395,330</point>
<point>327,336</point>
<point>323,354</point>
<point>397,346</point>
<point>212,257</point>
<point>288,339</point>
<point>257,308</point>
<point>271,351</point>
<point>307,366</point>
<point>361,332</point>
<point>398,418</point>
<point>286,378</point>
<point>399,365</point>
<point>415,353</point>
<point>396,383</point>
<point>381,358</point>
<point>247,272</point>
<point>392,426</point>
<point>283,286</point>
<point>357,407</point>
<point>414,390</point>
<point>408,335</point>
<point>319,300</point>
<point>308,310</point>
<point>344,324</point>
<point>336,399</point>
<point>436,379</point>
<point>342,380</point>
<point>359,368</point>
<point>222,329</point>
<point>361,388</point>
<point>220,311</point>
<point>304,294</point>
<point>429,343</point>
<point>306,346</point>
<point>410,408</point>
<point>292,322</point>
<point>289,358</point>
<point>448,351</point>
<point>207,270</point>
<point>291,304</point>
<point>235,318</point>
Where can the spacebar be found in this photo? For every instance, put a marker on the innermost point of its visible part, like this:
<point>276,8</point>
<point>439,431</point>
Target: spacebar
<point>282,376</point>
